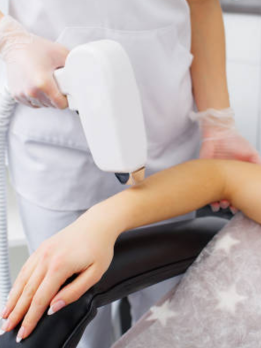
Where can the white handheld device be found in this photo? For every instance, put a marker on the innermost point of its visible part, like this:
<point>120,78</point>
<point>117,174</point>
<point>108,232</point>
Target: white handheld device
<point>99,82</point>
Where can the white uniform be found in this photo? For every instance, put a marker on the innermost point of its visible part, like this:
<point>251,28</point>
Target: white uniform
<point>51,165</point>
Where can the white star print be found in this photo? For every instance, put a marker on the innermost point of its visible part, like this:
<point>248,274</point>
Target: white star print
<point>229,299</point>
<point>226,243</point>
<point>161,313</point>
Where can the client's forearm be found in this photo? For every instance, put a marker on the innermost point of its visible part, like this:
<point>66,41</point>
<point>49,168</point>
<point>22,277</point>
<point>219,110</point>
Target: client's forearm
<point>172,192</point>
<point>182,189</point>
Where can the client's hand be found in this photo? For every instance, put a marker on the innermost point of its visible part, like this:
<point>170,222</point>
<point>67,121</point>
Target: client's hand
<point>84,248</point>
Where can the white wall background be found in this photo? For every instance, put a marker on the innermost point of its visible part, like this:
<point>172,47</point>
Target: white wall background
<point>243,35</point>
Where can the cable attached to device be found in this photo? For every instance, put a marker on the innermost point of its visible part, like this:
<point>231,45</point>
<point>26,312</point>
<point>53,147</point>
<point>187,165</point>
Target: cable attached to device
<point>7,104</point>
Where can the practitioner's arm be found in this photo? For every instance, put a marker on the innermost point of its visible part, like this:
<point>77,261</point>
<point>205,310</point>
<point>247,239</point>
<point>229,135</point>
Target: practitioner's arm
<point>220,140</point>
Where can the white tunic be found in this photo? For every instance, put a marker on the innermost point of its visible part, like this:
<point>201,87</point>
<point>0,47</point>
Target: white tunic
<point>49,158</point>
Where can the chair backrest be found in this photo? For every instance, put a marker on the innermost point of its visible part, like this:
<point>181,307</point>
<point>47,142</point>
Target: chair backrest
<point>242,6</point>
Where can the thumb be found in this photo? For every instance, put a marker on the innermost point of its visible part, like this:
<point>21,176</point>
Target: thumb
<point>73,291</point>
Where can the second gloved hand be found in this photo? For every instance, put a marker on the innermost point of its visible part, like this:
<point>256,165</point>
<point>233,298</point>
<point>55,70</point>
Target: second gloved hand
<point>31,61</point>
<point>221,140</point>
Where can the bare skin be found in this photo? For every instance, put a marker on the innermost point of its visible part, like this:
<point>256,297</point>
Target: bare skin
<point>175,191</point>
<point>210,88</point>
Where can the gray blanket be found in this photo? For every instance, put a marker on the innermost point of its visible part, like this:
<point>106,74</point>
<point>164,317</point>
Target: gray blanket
<point>217,303</point>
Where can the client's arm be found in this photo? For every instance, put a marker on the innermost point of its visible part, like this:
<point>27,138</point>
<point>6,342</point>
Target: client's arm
<point>86,247</point>
<point>184,188</point>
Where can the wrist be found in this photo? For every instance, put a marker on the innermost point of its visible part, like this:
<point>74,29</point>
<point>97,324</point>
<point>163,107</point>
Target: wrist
<point>215,122</point>
<point>111,215</point>
<point>216,127</point>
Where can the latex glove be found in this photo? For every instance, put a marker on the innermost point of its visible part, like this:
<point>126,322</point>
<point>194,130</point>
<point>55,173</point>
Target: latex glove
<point>221,140</point>
<point>84,248</point>
<point>31,61</point>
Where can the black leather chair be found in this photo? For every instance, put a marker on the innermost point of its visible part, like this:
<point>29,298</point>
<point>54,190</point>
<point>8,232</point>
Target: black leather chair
<point>142,258</point>
<point>252,7</point>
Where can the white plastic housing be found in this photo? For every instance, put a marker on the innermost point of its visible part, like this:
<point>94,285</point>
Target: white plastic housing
<point>99,82</point>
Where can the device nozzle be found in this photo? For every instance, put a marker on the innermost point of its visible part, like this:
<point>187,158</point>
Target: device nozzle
<point>136,177</point>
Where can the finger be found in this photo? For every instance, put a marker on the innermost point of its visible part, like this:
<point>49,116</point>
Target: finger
<point>44,99</point>
<point>57,99</point>
<point>23,100</point>
<point>233,210</point>
<point>255,159</point>
<point>224,204</point>
<point>207,149</point>
<point>25,299</point>
<point>19,285</point>
<point>73,291</point>
<point>43,296</point>
<point>35,102</point>
<point>215,207</point>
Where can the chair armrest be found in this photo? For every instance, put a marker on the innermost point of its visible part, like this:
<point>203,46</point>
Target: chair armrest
<point>142,258</point>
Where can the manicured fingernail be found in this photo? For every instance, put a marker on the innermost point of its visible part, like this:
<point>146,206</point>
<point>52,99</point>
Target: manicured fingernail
<point>233,210</point>
<point>5,327</point>
<point>3,313</point>
<point>224,205</point>
<point>20,334</point>
<point>1,332</point>
<point>56,307</point>
<point>215,209</point>
<point>9,294</point>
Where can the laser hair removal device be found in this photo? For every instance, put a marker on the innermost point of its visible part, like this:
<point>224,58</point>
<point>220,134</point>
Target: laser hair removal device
<point>99,82</point>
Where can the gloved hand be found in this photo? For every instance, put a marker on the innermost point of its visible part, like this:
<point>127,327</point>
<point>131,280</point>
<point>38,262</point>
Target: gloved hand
<point>221,140</point>
<point>31,61</point>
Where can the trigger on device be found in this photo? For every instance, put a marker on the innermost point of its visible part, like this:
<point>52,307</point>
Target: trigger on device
<point>71,103</point>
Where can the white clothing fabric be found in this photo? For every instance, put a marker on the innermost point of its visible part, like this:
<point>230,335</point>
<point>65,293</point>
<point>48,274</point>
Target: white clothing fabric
<point>48,154</point>
<point>41,223</point>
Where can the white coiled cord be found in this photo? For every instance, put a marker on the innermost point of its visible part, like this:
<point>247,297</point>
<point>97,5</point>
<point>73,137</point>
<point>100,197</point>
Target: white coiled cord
<point>7,104</point>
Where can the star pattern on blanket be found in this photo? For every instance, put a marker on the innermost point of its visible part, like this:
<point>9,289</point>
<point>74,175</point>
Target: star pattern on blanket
<point>161,313</point>
<point>226,243</point>
<point>229,299</point>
